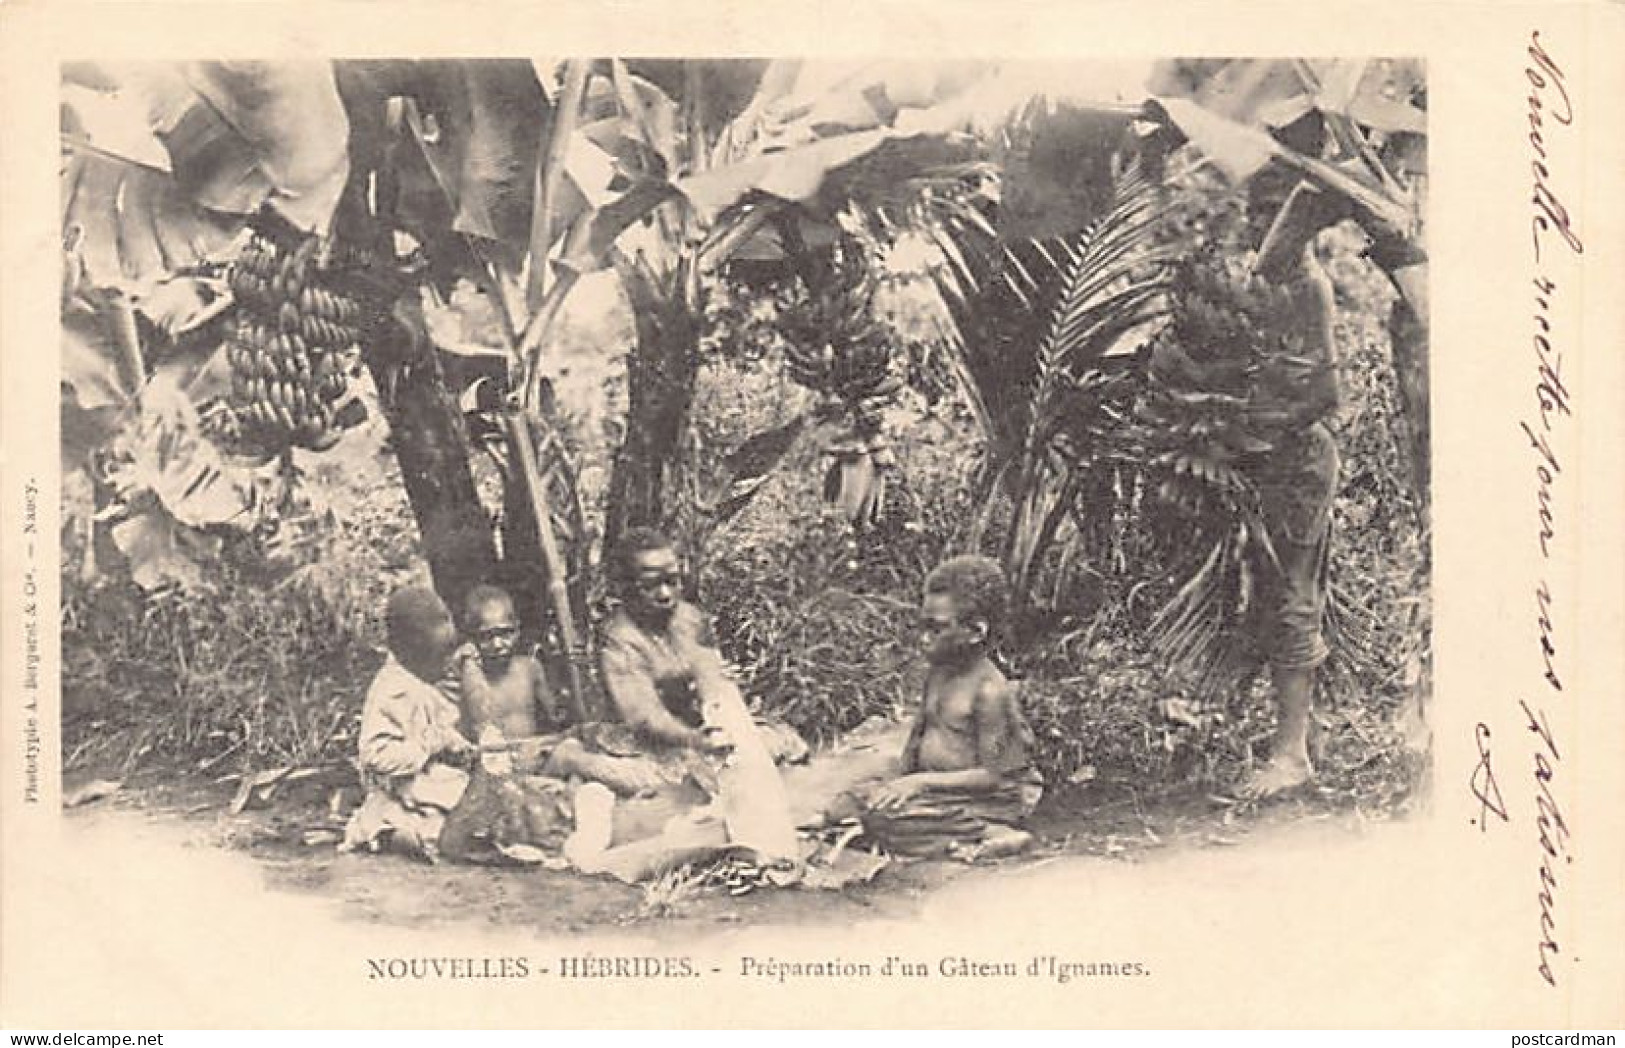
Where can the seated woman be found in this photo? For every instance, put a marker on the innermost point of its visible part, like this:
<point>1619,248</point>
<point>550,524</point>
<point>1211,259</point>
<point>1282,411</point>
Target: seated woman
<point>657,650</point>
<point>677,708</point>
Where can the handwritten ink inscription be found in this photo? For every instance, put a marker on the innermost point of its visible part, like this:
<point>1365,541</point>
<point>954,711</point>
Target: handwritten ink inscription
<point>1485,788</point>
<point>1553,226</point>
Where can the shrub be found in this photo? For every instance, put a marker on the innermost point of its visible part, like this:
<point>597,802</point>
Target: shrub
<point>266,665</point>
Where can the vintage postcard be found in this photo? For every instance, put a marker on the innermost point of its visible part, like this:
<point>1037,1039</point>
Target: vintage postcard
<point>848,515</point>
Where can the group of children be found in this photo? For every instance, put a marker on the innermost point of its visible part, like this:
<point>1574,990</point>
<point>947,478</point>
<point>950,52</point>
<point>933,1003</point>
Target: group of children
<point>446,717</point>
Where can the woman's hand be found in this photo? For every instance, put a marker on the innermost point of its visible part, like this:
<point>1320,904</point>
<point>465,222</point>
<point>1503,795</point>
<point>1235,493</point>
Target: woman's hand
<point>897,792</point>
<point>715,740</point>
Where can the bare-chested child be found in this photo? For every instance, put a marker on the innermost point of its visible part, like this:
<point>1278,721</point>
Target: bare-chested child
<point>508,703</point>
<point>967,780</point>
<point>502,687</point>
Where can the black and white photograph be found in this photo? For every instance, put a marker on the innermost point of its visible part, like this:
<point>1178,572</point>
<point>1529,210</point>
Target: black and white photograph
<point>741,476</point>
<point>700,502</point>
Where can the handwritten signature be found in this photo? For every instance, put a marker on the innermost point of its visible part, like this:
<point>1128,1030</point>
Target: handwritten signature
<point>1483,784</point>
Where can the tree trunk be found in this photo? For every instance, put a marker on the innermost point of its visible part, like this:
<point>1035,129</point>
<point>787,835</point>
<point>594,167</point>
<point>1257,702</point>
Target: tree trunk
<point>426,427</point>
<point>661,372</point>
<point>1408,339</point>
<point>431,445</point>
<point>1408,342</point>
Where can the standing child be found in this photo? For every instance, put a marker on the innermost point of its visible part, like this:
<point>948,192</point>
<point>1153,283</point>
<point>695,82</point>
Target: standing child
<point>413,759</point>
<point>967,779</point>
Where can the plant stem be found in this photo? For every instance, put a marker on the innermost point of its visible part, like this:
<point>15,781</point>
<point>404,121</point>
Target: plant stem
<point>517,429</point>
<point>132,365</point>
<point>536,332</point>
<point>550,173</point>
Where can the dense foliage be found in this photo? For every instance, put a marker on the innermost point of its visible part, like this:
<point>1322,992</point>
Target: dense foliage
<point>823,340</point>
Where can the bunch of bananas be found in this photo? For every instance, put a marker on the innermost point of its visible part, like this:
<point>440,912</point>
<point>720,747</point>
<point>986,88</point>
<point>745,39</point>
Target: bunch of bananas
<point>1232,379</point>
<point>842,351</point>
<point>838,348</point>
<point>293,342</point>
<point>1227,316</point>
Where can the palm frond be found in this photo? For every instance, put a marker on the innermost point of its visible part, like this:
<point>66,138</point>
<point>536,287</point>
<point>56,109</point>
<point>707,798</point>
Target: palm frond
<point>1202,632</point>
<point>1104,293</point>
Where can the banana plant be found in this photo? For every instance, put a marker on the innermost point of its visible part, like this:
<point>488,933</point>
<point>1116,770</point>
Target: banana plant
<point>769,174</point>
<point>1365,153</point>
<point>336,191</point>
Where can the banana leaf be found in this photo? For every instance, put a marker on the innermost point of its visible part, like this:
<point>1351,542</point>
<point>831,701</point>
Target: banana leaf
<point>479,126</point>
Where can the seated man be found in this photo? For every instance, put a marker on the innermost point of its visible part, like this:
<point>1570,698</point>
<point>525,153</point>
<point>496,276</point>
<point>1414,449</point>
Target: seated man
<point>967,778</point>
<point>411,754</point>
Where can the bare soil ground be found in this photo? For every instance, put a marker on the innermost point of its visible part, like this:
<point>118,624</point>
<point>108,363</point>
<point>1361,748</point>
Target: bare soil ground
<point>1104,824</point>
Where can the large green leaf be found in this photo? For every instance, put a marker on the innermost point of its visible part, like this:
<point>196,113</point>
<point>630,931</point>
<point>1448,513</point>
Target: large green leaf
<point>1378,93</point>
<point>251,132</point>
<point>90,365</point>
<point>1101,295</point>
<point>478,128</point>
<point>1269,92</point>
<point>157,551</point>
<point>1275,92</point>
<point>587,247</point>
<point>794,174</point>
<point>1240,150</point>
<point>238,134</point>
<point>163,159</point>
<point>167,455</point>
<point>492,116</point>
<point>727,88</point>
<point>813,120</point>
<point>130,226</point>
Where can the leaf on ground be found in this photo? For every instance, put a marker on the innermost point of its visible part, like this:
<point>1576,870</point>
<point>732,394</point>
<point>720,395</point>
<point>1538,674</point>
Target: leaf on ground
<point>523,854</point>
<point>849,868</point>
<point>94,790</point>
<point>257,790</point>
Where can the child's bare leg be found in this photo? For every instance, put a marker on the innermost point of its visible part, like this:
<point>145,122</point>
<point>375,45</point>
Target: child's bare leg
<point>1289,765</point>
